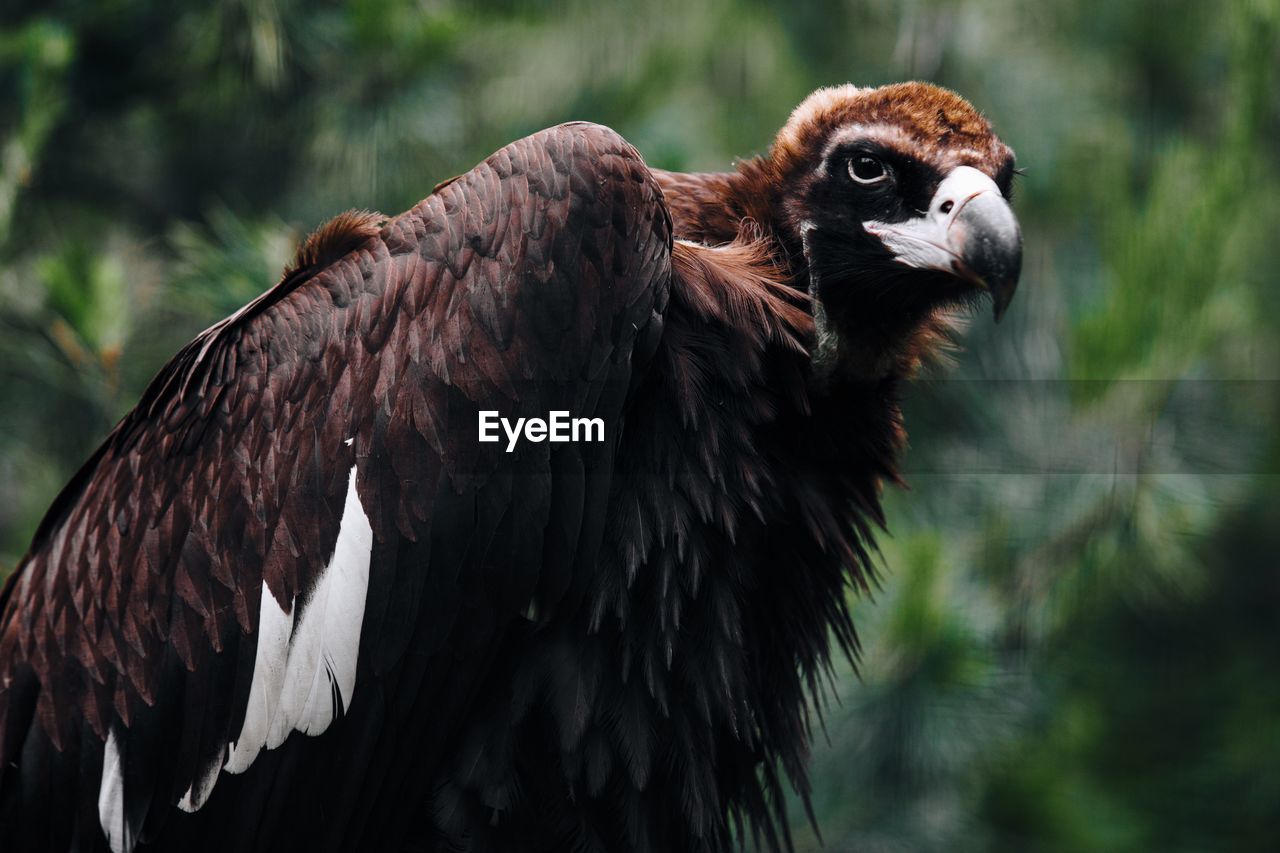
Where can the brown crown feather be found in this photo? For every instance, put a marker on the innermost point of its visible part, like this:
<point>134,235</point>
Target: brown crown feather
<point>929,116</point>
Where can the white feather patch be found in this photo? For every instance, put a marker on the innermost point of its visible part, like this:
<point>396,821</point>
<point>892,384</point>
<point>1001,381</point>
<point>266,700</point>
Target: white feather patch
<point>304,671</point>
<point>269,663</point>
<point>326,638</point>
<point>111,799</point>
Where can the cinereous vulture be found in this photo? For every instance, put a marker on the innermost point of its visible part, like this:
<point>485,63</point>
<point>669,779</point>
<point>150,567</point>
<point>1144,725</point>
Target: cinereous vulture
<point>294,602</point>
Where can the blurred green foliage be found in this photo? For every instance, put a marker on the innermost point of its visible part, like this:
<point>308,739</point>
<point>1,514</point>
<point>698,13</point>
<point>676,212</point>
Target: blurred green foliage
<point>1074,646</point>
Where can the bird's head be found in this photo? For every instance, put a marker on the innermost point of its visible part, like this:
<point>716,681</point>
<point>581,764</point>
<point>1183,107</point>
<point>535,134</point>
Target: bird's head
<point>898,198</point>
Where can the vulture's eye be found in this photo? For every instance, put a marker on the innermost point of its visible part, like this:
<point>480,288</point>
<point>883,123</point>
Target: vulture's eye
<point>867,170</point>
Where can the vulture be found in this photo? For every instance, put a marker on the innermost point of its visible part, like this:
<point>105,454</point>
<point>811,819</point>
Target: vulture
<point>345,579</point>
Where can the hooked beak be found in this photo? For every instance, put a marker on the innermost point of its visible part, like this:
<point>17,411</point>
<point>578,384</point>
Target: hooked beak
<point>969,231</point>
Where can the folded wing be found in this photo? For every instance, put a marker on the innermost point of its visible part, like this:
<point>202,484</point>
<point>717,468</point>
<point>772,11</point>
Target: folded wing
<point>297,532</point>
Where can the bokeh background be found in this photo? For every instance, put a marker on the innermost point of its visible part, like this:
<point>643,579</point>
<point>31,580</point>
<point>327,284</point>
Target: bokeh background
<point>1076,643</point>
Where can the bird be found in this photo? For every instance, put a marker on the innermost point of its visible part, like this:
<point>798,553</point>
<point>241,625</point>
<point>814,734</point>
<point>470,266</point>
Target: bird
<point>295,602</point>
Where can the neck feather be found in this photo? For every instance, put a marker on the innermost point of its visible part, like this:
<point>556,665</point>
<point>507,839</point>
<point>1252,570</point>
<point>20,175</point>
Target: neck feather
<point>743,209</point>
<point>711,207</point>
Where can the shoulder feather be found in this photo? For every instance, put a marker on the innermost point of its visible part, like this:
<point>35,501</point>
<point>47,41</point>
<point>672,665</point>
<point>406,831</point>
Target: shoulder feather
<point>334,239</point>
<point>739,283</point>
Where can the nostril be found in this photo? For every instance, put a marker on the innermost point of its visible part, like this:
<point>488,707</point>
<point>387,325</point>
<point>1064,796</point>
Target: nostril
<point>947,205</point>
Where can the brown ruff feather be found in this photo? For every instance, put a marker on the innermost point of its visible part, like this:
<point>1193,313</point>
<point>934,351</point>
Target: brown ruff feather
<point>333,239</point>
<point>739,283</point>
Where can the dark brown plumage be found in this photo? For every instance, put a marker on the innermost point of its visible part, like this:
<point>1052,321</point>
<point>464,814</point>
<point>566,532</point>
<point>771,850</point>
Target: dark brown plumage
<point>589,646</point>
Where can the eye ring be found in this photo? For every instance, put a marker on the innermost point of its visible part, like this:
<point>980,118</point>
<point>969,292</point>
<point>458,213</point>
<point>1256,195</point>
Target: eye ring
<point>865,169</point>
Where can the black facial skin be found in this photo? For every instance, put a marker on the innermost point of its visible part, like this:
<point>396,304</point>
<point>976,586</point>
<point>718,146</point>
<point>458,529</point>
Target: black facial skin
<point>869,298</point>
